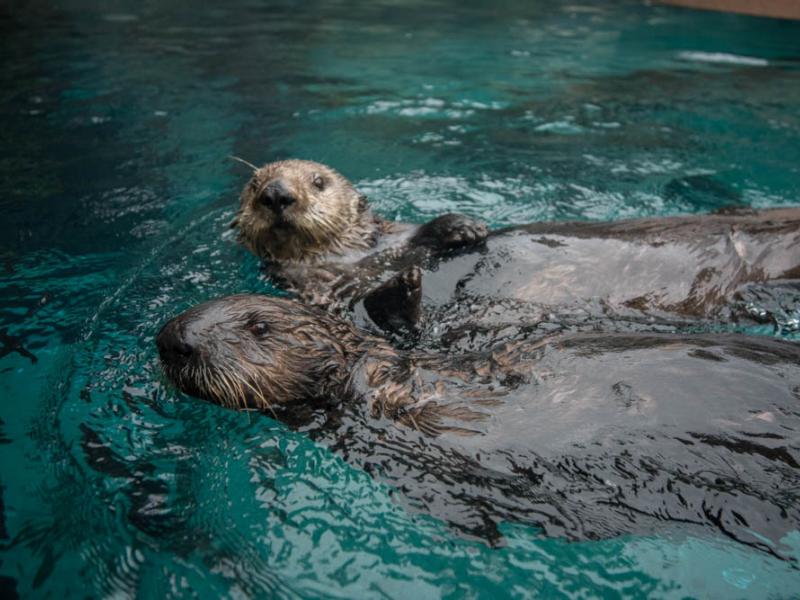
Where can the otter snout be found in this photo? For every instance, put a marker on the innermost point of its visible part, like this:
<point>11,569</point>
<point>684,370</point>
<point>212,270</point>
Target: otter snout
<point>276,196</point>
<point>174,346</point>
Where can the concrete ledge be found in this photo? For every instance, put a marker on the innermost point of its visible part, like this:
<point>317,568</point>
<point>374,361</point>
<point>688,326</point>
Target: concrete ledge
<point>780,9</point>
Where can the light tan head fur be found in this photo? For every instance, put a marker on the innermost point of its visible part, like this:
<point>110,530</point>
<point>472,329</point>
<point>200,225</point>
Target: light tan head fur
<point>323,215</point>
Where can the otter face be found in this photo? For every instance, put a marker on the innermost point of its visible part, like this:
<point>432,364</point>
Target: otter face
<point>297,210</point>
<point>251,351</point>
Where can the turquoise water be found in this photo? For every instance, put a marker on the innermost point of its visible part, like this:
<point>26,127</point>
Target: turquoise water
<point>116,192</point>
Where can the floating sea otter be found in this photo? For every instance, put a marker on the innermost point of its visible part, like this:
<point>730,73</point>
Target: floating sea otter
<point>321,240</point>
<point>585,435</point>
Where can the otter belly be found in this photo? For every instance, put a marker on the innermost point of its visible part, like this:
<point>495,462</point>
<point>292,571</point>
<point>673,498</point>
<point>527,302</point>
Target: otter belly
<point>585,435</point>
<point>590,389</point>
<point>558,270</point>
<point>617,434</point>
<point>670,270</point>
<point>682,272</point>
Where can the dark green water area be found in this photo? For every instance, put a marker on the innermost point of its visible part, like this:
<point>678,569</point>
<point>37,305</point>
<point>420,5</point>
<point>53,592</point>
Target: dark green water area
<point>115,193</point>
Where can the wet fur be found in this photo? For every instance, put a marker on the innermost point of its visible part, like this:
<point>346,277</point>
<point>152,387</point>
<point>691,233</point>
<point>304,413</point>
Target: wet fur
<point>672,269</point>
<point>308,355</point>
<point>586,435</point>
<point>322,223</point>
<point>238,369</point>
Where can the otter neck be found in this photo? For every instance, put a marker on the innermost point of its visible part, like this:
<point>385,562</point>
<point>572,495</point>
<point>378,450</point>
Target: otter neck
<point>371,363</point>
<point>362,235</point>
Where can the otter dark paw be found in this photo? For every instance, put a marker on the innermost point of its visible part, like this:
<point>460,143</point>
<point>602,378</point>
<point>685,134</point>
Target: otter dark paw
<point>451,231</point>
<point>396,305</point>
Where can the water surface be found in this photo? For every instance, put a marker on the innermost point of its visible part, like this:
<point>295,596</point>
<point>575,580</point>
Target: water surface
<point>116,193</point>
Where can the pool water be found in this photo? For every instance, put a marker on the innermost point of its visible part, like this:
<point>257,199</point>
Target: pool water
<point>116,192</point>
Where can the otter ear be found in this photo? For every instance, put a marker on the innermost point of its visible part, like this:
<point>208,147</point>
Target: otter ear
<point>363,203</point>
<point>396,305</point>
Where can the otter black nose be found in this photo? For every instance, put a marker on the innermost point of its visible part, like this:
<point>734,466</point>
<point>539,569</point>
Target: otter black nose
<point>172,345</point>
<point>276,196</point>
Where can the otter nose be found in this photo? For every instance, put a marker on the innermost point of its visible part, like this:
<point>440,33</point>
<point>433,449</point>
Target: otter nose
<point>173,347</point>
<point>276,196</point>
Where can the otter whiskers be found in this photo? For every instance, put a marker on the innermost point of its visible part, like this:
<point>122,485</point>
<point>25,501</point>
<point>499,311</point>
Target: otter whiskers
<point>244,162</point>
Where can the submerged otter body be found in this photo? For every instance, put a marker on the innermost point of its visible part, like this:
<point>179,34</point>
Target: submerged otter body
<point>669,269</point>
<point>584,435</point>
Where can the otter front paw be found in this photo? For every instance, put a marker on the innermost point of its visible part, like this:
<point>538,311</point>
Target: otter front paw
<point>396,305</point>
<point>451,231</point>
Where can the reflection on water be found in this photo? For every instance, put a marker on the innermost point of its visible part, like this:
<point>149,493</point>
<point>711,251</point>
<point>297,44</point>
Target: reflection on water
<point>116,195</point>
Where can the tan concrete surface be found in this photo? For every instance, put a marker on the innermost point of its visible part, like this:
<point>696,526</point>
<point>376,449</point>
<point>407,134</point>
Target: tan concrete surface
<point>783,9</point>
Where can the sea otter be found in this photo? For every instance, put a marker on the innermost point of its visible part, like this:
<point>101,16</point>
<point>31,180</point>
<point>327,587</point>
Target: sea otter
<point>301,212</point>
<point>584,435</point>
<point>321,240</point>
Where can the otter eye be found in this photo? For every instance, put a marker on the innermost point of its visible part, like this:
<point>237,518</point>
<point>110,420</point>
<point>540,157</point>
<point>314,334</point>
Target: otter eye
<point>259,328</point>
<point>319,182</point>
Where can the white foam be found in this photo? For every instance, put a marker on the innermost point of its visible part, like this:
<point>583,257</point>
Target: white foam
<point>723,58</point>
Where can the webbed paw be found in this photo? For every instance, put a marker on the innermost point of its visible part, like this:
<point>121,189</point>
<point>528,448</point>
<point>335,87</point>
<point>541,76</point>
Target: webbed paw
<point>451,231</point>
<point>396,305</point>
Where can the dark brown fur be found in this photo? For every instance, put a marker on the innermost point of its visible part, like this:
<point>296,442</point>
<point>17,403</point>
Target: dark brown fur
<point>260,352</point>
<point>586,435</point>
<point>304,355</point>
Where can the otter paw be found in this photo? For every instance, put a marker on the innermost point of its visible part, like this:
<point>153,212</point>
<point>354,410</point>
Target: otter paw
<point>396,305</point>
<point>452,231</point>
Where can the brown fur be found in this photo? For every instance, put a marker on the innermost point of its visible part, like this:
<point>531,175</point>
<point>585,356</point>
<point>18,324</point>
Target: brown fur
<point>304,354</point>
<point>586,435</point>
<point>261,352</point>
<point>333,220</point>
<point>236,368</point>
<point>332,252</point>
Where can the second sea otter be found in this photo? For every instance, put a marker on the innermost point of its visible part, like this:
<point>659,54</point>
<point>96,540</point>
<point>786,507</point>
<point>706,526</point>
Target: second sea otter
<point>587,435</point>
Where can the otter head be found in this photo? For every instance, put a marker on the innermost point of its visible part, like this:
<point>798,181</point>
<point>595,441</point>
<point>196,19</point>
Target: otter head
<point>299,211</point>
<point>251,351</point>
